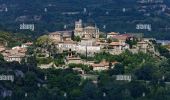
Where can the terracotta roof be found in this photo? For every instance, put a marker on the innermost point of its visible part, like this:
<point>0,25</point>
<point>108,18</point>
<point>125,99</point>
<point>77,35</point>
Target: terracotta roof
<point>122,36</point>
<point>115,44</point>
<point>112,33</point>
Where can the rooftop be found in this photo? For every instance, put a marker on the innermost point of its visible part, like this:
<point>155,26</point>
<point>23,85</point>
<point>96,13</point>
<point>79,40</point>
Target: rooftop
<point>122,36</point>
<point>104,63</point>
<point>115,44</point>
<point>112,33</point>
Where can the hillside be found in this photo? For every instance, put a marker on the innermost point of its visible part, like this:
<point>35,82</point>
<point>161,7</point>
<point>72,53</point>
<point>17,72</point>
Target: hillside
<point>117,15</point>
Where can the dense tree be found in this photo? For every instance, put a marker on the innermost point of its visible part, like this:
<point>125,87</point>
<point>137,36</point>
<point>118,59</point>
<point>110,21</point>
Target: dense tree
<point>118,69</point>
<point>145,73</point>
<point>137,89</point>
<point>43,41</point>
<point>77,38</point>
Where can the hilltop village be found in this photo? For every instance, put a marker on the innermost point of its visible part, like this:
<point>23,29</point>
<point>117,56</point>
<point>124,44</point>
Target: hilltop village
<point>84,64</point>
<point>78,45</point>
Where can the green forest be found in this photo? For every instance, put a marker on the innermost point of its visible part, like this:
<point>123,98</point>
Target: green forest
<point>150,79</point>
<point>109,15</point>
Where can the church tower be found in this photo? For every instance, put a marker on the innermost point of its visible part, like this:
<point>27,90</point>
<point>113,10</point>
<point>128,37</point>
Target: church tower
<point>78,25</point>
<point>78,28</point>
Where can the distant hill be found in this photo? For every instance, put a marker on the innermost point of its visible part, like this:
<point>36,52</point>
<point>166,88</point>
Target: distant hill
<point>117,15</point>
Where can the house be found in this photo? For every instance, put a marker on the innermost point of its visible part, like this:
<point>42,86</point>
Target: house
<point>122,38</point>
<point>67,45</point>
<point>87,42</point>
<point>101,44</point>
<point>73,59</point>
<point>116,45</point>
<point>55,36</point>
<point>109,35</point>
<point>103,65</point>
<point>143,46</point>
<point>14,54</point>
<point>116,48</point>
<point>60,36</point>
<point>90,50</point>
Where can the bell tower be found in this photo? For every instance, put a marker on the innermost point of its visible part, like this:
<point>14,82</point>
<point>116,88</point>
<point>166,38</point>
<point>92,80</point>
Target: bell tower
<point>78,25</point>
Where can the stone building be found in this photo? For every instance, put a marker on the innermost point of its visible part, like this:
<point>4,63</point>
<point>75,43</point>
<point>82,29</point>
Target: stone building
<point>60,36</point>
<point>111,34</point>
<point>104,65</point>
<point>66,45</point>
<point>85,32</point>
<point>15,54</point>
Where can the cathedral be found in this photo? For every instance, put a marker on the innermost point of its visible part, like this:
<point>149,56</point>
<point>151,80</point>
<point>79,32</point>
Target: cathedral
<point>88,32</point>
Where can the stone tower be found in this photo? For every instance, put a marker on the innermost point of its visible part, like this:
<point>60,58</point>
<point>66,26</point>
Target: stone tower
<point>78,31</point>
<point>78,25</point>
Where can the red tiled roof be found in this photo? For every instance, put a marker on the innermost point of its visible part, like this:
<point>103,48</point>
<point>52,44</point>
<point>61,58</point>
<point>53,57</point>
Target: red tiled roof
<point>115,43</point>
<point>122,36</point>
